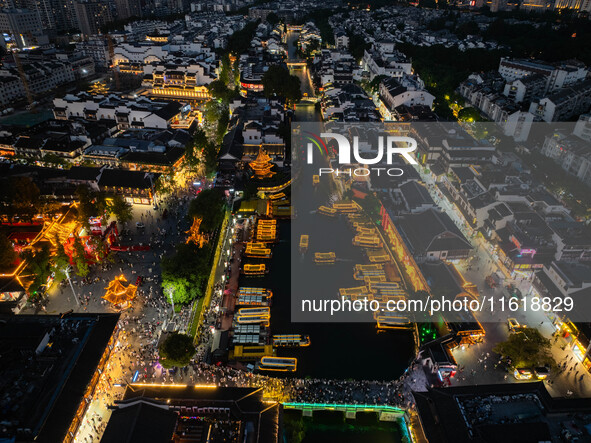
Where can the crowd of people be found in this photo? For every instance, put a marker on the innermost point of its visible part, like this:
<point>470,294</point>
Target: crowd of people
<point>135,358</point>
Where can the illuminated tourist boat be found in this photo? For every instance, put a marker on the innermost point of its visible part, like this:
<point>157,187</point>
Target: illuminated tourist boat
<point>252,319</point>
<point>393,322</point>
<point>260,269</point>
<point>257,252</point>
<point>324,258</point>
<point>315,179</point>
<point>277,197</point>
<point>278,364</point>
<point>282,211</point>
<point>304,240</point>
<point>366,231</point>
<point>255,245</point>
<point>325,210</point>
<point>268,237</point>
<point>258,312</point>
<point>346,208</point>
<point>362,271</point>
<point>354,293</point>
<point>374,279</point>
<point>388,289</point>
<point>242,291</point>
<point>367,241</point>
<point>266,231</point>
<point>253,300</point>
<point>381,258</point>
<point>241,352</point>
<point>291,340</point>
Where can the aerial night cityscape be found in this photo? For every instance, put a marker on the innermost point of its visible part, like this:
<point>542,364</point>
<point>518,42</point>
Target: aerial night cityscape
<point>295,221</point>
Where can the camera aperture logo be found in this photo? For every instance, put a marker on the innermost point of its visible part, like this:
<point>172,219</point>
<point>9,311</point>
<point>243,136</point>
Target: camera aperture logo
<point>389,146</point>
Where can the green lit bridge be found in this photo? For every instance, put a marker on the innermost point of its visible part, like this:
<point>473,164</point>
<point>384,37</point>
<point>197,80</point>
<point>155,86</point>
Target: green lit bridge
<point>385,412</point>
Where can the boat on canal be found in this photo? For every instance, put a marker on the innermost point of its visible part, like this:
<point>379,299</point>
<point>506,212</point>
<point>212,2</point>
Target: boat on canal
<point>278,364</point>
<point>291,340</point>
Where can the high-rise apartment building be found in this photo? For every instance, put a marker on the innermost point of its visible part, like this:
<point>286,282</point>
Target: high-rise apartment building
<point>23,24</point>
<point>128,8</point>
<point>92,15</point>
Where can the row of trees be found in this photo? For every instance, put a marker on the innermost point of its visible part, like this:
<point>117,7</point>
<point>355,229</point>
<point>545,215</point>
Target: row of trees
<point>527,348</point>
<point>99,204</point>
<point>443,69</point>
<point>278,82</point>
<point>185,273</point>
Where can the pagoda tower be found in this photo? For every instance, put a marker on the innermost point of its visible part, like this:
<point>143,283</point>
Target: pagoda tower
<point>118,293</point>
<point>194,235</point>
<point>262,165</point>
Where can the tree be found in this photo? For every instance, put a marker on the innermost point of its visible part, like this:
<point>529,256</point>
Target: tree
<point>176,350</point>
<point>277,81</point>
<point>120,209</point>
<point>180,289</point>
<point>82,268</point>
<point>527,348</point>
<point>357,45</point>
<point>469,114</point>
<point>467,28</point>
<point>99,247</point>
<point>374,85</point>
<point>7,252</point>
<point>60,262</point>
<point>21,194</point>
<point>54,160</point>
<point>209,205</point>
<point>210,156</point>
<point>186,272</point>
<point>239,41</point>
<point>194,150</point>
<point>272,19</point>
<point>213,111</point>
<point>222,124</point>
<point>90,204</point>
<point>225,70</point>
<point>218,88</point>
<point>39,267</point>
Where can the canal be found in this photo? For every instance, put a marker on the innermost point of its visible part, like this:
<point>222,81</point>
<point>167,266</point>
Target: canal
<point>338,350</point>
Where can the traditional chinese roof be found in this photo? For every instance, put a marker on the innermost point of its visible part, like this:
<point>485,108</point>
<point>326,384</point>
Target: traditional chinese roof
<point>118,293</point>
<point>262,165</point>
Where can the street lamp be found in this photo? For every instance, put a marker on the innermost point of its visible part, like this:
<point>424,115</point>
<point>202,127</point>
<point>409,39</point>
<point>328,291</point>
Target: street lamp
<point>67,272</point>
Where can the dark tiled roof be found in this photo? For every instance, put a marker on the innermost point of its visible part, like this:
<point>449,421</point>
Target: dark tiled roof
<point>415,194</point>
<point>421,231</point>
<point>83,173</point>
<point>140,423</point>
<point>30,143</point>
<point>167,158</point>
<point>169,111</point>
<point>122,178</point>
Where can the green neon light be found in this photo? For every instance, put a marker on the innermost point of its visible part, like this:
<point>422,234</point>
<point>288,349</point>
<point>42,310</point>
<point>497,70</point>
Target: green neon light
<point>346,406</point>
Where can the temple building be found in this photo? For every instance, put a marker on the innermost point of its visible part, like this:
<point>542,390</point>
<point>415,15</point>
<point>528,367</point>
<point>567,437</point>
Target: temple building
<point>119,294</point>
<point>262,165</point>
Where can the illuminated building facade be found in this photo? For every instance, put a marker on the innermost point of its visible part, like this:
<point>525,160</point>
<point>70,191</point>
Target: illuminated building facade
<point>56,364</point>
<point>413,274</point>
<point>138,113</point>
<point>187,80</point>
<point>193,413</point>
